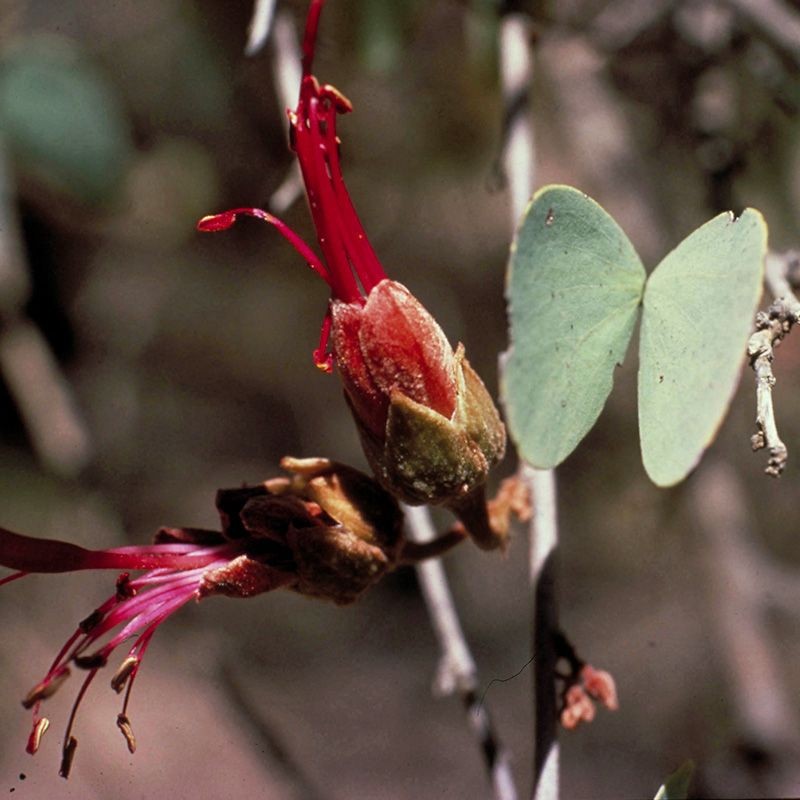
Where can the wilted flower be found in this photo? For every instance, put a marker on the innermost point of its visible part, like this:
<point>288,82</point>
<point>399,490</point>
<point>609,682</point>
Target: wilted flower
<point>326,531</point>
<point>428,426</point>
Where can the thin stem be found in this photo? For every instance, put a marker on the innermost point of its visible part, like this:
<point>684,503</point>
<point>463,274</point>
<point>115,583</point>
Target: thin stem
<point>457,671</point>
<point>519,159</point>
<point>543,551</point>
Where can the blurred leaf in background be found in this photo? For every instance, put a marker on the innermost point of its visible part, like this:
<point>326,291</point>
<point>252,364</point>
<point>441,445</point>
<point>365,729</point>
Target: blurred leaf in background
<point>61,120</point>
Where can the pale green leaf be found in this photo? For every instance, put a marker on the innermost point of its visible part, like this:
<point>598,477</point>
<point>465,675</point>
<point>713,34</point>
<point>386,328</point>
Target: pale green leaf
<point>574,288</point>
<point>698,313</point>
<point>676,787</point>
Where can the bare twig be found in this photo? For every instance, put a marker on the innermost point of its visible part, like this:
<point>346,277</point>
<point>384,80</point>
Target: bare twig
<point>516,72</point>
<point>457,672</point>
<point>771,328</point>
<point>260,25</point>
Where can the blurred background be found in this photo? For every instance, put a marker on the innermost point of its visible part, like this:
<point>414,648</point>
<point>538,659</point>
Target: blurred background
<point>143,366</point>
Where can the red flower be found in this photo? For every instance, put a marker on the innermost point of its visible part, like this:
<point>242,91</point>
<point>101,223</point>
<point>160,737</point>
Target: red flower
<point>428,425</point>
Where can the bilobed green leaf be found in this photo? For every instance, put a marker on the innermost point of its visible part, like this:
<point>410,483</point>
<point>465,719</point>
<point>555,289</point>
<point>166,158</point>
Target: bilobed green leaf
<point>61,119</point>
<point>676,787</point>
<point>574,287</point>
<point>698,313</point>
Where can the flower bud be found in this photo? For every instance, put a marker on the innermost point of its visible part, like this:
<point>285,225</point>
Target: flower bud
<point>429,428</point>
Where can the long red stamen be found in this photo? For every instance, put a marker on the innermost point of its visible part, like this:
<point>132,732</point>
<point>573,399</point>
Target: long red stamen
<point>310,36</point>
<point>364,259</point>
<point>224,220</point>
<point>310,149</point>
<point>357,254</point>
<point>70,743</point>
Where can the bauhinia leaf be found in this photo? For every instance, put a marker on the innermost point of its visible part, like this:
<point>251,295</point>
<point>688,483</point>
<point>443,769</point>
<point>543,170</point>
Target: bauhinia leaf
<point>573,289</point>
<point>698,313</point>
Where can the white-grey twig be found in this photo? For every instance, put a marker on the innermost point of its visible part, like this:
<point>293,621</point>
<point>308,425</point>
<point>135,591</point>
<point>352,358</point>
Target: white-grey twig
<point>771,327</point>
<point>519,164</point>
<point>457,672</point>
<point>260,25</point>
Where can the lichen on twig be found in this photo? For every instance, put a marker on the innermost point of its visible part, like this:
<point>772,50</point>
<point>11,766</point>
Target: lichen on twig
<point>772,326</point>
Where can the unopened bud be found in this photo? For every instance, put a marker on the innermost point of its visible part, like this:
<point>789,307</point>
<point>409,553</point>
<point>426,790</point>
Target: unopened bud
<point>429,428</point>
<point>600,685</point>
<point>577,708</point>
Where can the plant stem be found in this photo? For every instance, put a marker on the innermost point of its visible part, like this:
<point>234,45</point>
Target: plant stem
<point>519,161</point>
<point>457,671</point>
<point>543,552</point>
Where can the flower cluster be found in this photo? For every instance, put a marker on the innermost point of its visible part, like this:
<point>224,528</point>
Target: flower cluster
<point>581,686</point>
<point>578,698</point>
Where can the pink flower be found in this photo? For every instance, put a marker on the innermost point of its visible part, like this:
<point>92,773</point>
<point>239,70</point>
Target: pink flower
<point>325,531</point>
<point>135,611</point>
<point>428,426</point>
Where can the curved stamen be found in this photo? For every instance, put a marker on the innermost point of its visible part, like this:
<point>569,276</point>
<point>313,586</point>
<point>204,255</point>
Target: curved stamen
<point>70,742</point>
<point>224,220</point>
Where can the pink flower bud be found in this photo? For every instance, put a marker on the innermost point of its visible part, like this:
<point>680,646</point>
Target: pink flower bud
<point>600,685</point>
